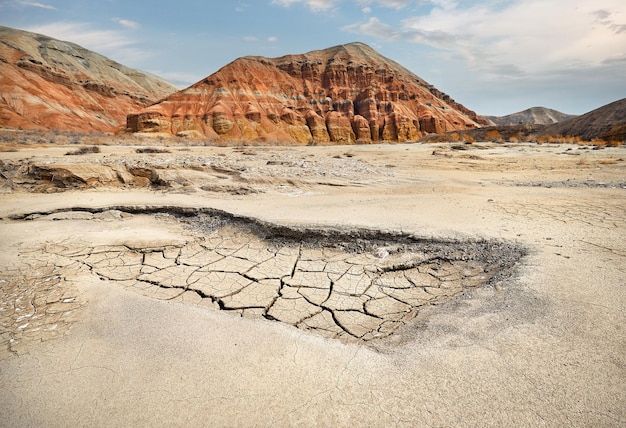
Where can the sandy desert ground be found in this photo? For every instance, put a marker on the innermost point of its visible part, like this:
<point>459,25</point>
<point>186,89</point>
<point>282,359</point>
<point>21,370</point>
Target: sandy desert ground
<point>383,285</point>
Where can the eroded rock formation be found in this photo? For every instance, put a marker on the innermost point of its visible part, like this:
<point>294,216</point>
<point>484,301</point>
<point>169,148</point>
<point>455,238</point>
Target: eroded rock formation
<point>51,84</point>
<point>345,94</point>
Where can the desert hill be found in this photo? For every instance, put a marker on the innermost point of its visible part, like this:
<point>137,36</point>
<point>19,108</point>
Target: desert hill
<point>51,84</point>
<point>607,123</point>
<point>343,94</point>
<point>531,116</point>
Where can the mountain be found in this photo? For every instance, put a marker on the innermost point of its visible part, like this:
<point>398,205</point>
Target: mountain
<point>51,84</point>
<point>343,94</point>
<point>531,116</point>
<point>606,123</point>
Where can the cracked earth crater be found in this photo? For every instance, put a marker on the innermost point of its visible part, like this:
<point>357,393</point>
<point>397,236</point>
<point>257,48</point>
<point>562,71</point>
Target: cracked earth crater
<point>370,285</point>
<point>352,285</point>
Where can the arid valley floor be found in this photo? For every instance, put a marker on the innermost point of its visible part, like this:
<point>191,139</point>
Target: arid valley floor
<point>372,285</point>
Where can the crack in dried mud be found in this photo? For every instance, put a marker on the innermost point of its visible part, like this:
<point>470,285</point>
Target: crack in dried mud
<point>353,285</point>
<point>36,304</point>
<point>609,215</point>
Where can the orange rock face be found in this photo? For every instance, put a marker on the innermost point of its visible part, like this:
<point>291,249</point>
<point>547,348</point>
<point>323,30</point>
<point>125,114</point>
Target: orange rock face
<point>341,95</point>
<point>51,84</point>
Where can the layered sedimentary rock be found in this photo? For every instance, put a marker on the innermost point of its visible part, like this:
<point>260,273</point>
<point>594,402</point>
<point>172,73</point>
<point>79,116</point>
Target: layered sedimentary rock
<point>345,94</point>
<point>51,84</point>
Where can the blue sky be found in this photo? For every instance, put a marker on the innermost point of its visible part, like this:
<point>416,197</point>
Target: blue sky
<point>494,56</point>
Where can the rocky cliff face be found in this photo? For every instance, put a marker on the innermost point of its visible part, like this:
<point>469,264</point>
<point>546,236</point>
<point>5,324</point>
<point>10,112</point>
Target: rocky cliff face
<point>341,95</point>
<point>51,84</point>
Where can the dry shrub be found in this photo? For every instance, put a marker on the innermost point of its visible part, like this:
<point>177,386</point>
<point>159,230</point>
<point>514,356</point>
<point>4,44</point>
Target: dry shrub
<point>597,142</point>
<point>571,139</point>
<point>8,148</point>
<point>467,138</point>
<point>494,136</point>
<point>514,139</point>
<point>606,143</point>
<point>561,139</point>
<point>544,139</point>
<point>454,137</point>
<point>607,161</point>
<point>84,150</point>
<point>151,150</point>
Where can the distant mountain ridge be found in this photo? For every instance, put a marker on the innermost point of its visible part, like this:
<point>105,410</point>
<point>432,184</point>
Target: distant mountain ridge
<point>531,116</point>
<point>607,123</point>
<point>340,95</point>
<point>51,84</point>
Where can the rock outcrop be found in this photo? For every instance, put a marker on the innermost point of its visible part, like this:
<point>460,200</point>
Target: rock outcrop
<point>341,95</point>
<point>51,84</point>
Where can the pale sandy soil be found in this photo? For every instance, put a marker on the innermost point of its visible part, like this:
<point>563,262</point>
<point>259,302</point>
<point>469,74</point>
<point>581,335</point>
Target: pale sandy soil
<point>110,311</point>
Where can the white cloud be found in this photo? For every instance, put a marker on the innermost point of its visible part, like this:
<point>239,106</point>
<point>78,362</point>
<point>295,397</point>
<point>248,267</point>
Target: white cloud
<point>271,39</point>
<point>393,4</point>
<point>325,5</point>
<point>83,34</point>
<point>127,23</point>
<point>180,79</point>
<point>110,43</point>
<point>314,5</point>
<point>374,27</point>
<point>36,4</point>
<point>514,37</point>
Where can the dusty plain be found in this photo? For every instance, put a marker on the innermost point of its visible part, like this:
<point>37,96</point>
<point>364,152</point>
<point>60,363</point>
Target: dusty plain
<point>224,286</point>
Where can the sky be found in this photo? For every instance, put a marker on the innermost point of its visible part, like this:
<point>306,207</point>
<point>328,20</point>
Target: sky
<point>496,57</point>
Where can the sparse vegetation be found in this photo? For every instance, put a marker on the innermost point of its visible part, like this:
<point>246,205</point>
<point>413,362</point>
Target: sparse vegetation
<point>515,138</point>
<point>7,147</point>
<point>607,161</point>
<point>84,151</point>
<point>582,162</point>
<point>468,139</point>
<point>494,135</point>
<point>518,134</point>
<point>161,143</point>
<point>151,150</point>
<point>454,137</point>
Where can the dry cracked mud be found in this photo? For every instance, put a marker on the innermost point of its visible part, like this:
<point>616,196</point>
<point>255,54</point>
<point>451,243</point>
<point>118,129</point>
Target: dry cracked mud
<point>354,285</point>
<point>542,343</point>
<point>36,304</point>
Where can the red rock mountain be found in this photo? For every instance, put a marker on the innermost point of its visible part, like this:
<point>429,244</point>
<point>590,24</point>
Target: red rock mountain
<point>51,84</point>
<point>344,94</point>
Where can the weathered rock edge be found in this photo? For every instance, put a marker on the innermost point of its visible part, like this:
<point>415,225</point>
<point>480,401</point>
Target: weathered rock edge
<point>260,226</point>
<point>369,283</point>
<point>509,253</point>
